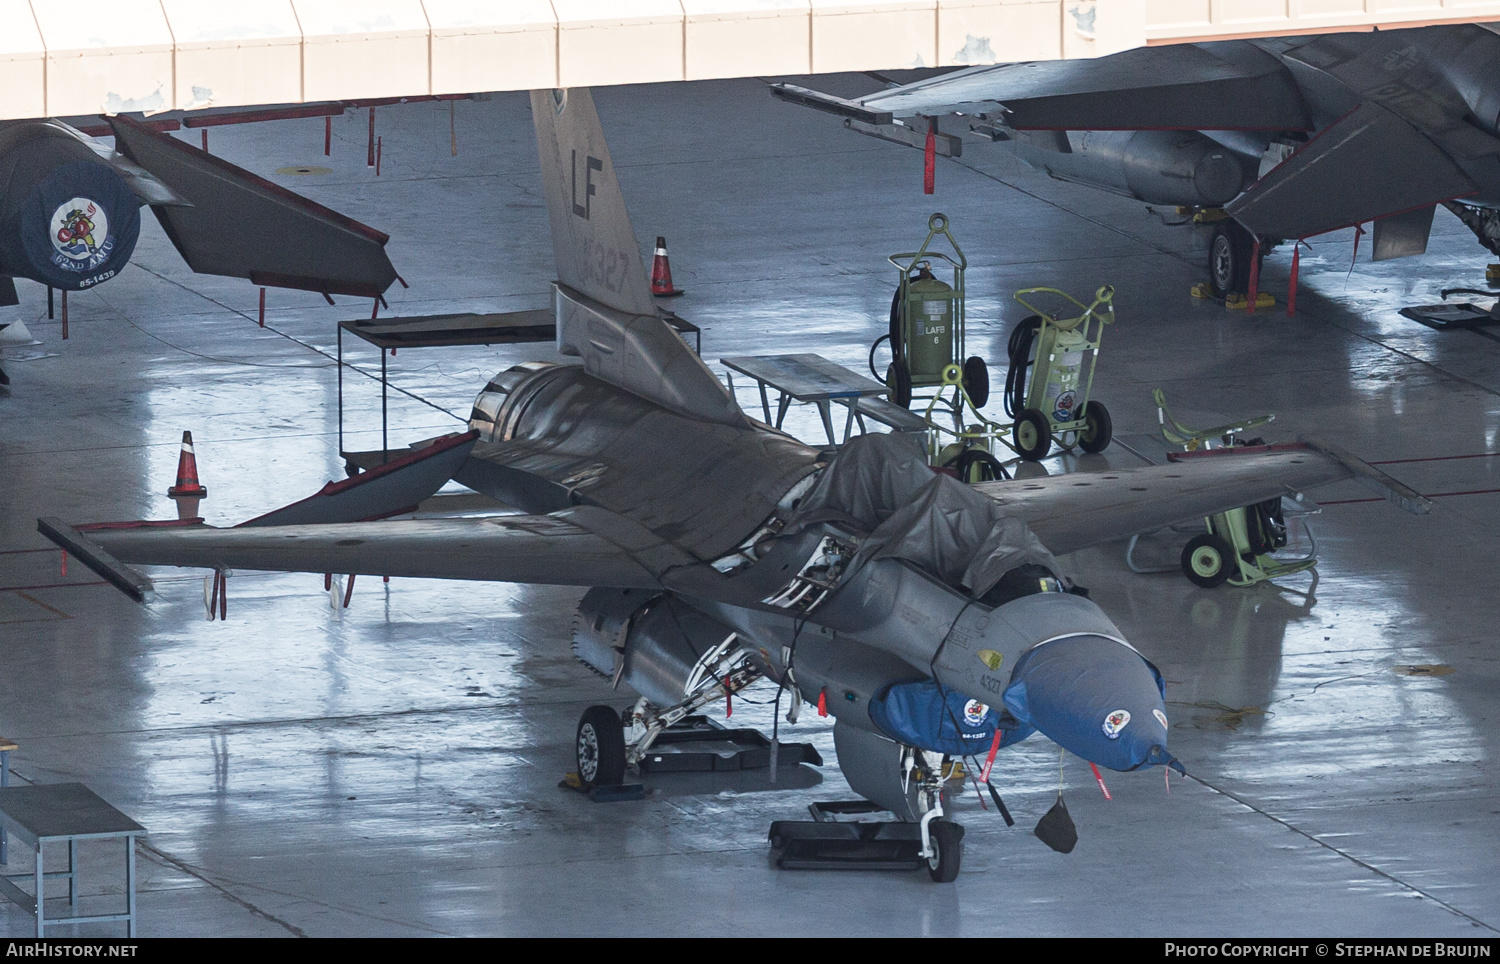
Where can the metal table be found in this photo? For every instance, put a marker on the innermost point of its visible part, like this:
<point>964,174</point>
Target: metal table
<point>805,378</point>
<point>64,812</point>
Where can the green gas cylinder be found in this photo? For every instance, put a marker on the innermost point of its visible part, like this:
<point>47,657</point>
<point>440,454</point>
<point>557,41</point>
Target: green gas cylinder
<point>929,328</point>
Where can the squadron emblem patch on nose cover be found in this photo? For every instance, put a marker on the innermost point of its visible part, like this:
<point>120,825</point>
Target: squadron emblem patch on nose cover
<point>1115,722</point>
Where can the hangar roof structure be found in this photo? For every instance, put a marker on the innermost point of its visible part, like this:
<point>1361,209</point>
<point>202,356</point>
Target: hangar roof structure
<point>113,56</point>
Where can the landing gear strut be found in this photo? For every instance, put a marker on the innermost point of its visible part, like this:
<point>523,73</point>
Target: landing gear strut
<point>942,840</point>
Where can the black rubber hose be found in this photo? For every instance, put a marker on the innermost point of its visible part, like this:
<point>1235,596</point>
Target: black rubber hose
<point>874,345</point>
<point>1019,351</point>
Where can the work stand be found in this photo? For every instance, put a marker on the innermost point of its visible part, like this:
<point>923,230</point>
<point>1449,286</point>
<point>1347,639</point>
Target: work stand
<point>697,744</point>
<point>64,813</point>
<point>827,842</point>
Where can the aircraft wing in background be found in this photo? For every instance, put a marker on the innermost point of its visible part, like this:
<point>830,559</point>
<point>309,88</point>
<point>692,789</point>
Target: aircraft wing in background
<point>1217,86</point>
<point>230,222</point>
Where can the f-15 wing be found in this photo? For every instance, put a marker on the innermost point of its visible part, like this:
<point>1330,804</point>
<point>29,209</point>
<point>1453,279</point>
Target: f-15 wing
<point>1072,512</point>
<point>1217,86</point>
<point>224,220</point>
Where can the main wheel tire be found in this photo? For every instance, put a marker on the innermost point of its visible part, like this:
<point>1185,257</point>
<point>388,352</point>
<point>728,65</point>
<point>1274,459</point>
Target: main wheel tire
<point>977,381</point>
<point>977,465</point>
<point>1098,429</point>
<point>948,851</point>
<point>1230,250</point>
<point>1032,434</point>
<point>1207,560</point>
<point>601,748</point>
<point>898,382</point>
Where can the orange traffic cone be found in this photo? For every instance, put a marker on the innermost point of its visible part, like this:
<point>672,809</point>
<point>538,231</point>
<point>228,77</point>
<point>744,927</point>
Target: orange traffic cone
<point>661,272</point>
<point>188,491</point>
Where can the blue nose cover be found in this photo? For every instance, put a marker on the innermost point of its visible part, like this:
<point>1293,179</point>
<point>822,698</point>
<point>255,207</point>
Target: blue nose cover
<point>1094,697</point>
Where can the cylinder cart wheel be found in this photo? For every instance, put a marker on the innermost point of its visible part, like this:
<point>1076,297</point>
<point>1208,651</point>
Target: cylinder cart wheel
<point>1097,428</point>
<point>1206,560</point>
<point>947,851</point>
<point>1032,434</point>
<point>898,381</point>
<point>601,748</point>
<point>1230,249</point>
<point>977,381</point>
<point>977,465</point>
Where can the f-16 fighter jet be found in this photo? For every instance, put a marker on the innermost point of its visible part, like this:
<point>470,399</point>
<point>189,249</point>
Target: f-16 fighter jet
<point>70,215</point>
<point>925,615</point>
<point>1291,136</point>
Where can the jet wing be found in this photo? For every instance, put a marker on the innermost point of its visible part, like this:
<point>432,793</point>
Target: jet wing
<point>547,549</point>
<point>1072,512</point>
<point>1368,164</point>
<point>1231,85</point>
<point>227,221</point>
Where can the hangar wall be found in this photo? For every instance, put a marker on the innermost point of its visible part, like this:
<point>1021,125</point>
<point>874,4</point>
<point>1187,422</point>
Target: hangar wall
<point>110,56</point>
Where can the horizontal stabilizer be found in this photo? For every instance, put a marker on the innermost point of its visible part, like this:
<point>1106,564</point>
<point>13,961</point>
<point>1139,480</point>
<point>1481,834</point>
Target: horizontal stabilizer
<point>544,549</point>
<point>1218,86</point>
<point>385,490</point>
<point>242,226</point>
<point>1367,165</point>
<point>96,557</point>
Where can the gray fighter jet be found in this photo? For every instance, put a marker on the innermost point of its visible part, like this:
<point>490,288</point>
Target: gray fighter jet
<point>924,615</point>
<point>1292,137</point>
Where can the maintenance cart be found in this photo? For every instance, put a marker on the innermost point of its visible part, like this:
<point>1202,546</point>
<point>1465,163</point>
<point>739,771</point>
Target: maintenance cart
<point>1240,545</point>
<point>927,323</point>
<point>1051,376</point>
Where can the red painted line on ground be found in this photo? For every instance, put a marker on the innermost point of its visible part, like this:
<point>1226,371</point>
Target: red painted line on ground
<point>53,585</point>
<point>1428,495</point>
<point>1439,458</point>
<point>50,609</point>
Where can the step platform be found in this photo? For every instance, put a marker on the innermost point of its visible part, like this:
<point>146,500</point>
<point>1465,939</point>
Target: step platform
<point>698,744</point>
<point>828,843</point>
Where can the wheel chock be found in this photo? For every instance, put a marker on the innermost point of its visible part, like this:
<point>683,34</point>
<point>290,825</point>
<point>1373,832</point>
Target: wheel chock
<point>603,794</point>
<point>1201,290</point>
<point>1492,273</point>
<point>1238,301</point>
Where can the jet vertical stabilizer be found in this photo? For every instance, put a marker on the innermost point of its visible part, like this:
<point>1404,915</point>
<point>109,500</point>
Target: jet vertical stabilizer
<point>605,314</point>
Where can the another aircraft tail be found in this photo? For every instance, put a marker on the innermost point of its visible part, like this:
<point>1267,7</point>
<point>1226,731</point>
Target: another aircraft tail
<point>605,313</point>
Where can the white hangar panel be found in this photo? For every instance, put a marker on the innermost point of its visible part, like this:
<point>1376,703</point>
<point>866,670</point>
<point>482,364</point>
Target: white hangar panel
<point>972,32</point>
<point>873,34</point>
<point>248,52</point>
<point>608,42</point>
<point>742,38</point>
<point>23,77</point>
<point>106,55</point>
<point>477,45</point>
<point>363,48</point>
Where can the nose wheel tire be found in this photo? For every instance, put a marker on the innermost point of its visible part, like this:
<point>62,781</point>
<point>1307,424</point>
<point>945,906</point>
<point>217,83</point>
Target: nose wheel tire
<point>947,851</point>
<point>1207,560</point>
<point>1032,435</point>
<point>1097,428</point>
<point>601,748</point>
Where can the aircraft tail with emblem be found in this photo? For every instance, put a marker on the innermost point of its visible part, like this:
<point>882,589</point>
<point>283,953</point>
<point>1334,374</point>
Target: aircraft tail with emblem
<point>605,312</point>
